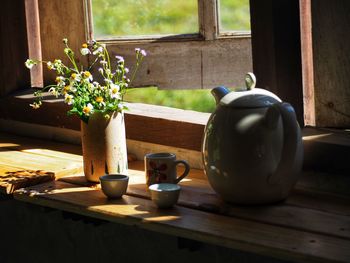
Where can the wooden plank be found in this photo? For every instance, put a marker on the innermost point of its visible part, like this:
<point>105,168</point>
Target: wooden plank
<point>46,147</point>
<point>33,162</point>
<point>25,162</point>
<point>331,58</point>
<point>207,227</point>
<point>197,194</point>
<point>207,17</point>
<point>56,23</point>
<point>143,122</point>
<point>13,178</point>
<point>226,62</point>
<point>322,201</point>
<point>29,167</point>
<point>307,62</point>
<point>13,47</point>
<point>34,41</point>
<point>179,65</point>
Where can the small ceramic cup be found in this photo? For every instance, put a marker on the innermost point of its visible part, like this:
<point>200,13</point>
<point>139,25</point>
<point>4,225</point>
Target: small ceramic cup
<point>114,185</point>
<point>161,168</point>
<point>164,195</point>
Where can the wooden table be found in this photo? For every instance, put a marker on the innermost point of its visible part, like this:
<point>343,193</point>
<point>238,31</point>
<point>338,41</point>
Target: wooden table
<point>309,226</point>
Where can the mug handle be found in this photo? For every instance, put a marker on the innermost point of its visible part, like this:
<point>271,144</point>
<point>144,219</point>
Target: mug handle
<point>187,169</point>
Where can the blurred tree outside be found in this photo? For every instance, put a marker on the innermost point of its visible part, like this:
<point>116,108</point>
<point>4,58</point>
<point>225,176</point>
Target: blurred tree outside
<point>125,18</point>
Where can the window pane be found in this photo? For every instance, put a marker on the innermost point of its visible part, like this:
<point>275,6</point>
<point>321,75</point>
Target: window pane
<point>234,15</point>
<point>198,100</point>
<point>144,17</point>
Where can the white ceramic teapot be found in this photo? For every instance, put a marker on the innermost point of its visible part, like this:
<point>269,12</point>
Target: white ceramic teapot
<point>252,147</point>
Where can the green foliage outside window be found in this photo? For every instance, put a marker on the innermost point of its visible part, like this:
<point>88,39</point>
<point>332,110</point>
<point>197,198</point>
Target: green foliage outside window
<point>156,17</point>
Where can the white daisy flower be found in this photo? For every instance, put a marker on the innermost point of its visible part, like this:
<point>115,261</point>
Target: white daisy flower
<point>85,51</point>
<point>54,91</point>
<point>60,80</point>
<point>76,77</point>
<point>30,63</point>
<point>88,109</point>
<point>87,75</point>
<point>114,91</point>
<point>50,66</point>
<point>69,99</point>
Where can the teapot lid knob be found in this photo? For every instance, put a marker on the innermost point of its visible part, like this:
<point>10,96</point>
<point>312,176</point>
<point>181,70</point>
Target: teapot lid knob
<point>250,80</point>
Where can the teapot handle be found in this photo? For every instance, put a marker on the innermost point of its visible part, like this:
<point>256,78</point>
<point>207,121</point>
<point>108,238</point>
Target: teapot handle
<point>291,136</point>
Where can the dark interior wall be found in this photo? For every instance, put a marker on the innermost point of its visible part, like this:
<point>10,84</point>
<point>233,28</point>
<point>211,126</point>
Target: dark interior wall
<point>13,47</point>
<point>276,48</point>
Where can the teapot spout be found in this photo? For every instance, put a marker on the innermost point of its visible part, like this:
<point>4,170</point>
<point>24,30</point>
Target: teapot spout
<point>219,93</point>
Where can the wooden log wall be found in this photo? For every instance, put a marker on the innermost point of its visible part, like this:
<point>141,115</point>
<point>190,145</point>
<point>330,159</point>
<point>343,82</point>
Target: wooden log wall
<point>331,62</point>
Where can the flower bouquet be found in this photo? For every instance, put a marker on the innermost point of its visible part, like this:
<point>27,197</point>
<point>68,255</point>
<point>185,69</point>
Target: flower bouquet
<point>99,104</point>
<point>78,87</point>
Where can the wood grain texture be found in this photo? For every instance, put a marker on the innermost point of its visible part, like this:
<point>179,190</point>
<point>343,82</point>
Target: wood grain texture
<point>246,235</point>
<point>149,123</point>
<point>192,64</point>
<point>58,20</point>
<point>13,178</point>
<point>307,62</point>
<point>207,17</point>
<point>197,194</point>
<point>331,53</point>
<point>13,47</point>
<point>34,41</point>
<point>25,162</point>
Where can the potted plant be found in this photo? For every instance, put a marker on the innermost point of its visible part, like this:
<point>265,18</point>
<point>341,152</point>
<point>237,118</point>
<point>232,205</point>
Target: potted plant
<point>99,104</point>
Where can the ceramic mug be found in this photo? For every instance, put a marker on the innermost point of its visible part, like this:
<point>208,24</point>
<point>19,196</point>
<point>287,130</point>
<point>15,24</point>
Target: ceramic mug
<point>161,168</point>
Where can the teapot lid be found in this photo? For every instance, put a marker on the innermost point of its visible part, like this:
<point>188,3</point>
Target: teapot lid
<point>251,97</point>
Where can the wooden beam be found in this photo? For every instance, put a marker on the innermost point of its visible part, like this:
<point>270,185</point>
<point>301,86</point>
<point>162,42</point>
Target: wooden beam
<point>34,41</point>
<point>331,62</point>
<point>207,16</point>
<point>307,62</point>
<point>58,20</point>
<point>148,123</point>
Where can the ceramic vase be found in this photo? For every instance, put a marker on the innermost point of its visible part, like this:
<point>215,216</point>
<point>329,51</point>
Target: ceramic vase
<point>104,146</point>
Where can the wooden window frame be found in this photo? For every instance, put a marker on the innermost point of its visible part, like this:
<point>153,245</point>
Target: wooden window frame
<point>195,61</point>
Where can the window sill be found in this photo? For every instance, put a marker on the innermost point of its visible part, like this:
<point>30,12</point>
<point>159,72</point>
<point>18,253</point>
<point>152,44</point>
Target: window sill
<point>147,123</point>
<point>199,215</point>
<point>325,150</point>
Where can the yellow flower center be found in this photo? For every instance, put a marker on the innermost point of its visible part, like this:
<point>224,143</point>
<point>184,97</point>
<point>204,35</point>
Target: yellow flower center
<point>114,90</point>
<point>66,89</point>
<point>99,99</point>
<point>87,74</point>
<point>86,109</point>
<point>58,79</point>
<point>84,45</point>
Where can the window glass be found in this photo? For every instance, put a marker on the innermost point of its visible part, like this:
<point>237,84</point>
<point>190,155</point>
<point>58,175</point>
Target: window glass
<point>198,100</point>
<point>144,17</point>
<point>234,15</point>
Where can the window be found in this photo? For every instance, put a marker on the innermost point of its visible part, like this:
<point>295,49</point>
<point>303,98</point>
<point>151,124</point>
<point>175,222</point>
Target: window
<point>187,49</point>
<point>132,18</point>
<point>191,55</point>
